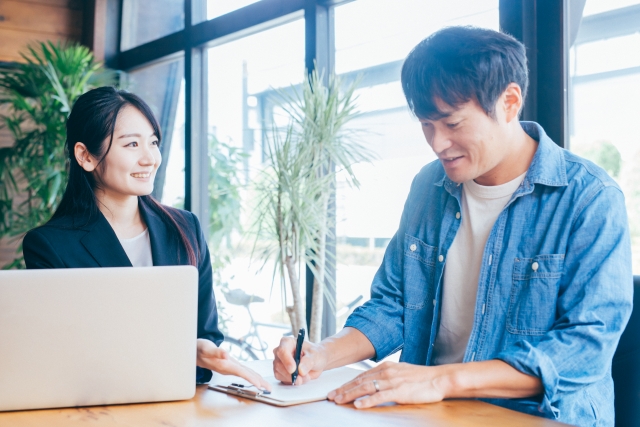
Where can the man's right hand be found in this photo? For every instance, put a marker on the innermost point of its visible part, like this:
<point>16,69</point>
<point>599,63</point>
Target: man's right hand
<point>347,346</point>
<point>313,361</point>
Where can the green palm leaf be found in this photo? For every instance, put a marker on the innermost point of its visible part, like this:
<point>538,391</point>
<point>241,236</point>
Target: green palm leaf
<point>38,95</point>
<point>296,185</point>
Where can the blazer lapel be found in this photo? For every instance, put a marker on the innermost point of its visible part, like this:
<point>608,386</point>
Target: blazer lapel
<point>103,244</point>
<point>164,248</point>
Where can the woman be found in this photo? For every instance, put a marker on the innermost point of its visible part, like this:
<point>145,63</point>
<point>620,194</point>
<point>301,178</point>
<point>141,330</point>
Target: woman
<point>108,219</point>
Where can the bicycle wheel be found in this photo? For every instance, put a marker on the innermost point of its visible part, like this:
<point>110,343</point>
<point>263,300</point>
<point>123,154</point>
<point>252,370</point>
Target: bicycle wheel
<point>238,349</point>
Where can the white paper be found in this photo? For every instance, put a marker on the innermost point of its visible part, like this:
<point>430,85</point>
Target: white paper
<point>314,390</point>
<point>317,389</point>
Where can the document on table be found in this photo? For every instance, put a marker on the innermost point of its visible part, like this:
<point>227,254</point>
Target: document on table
<point>287,395</point>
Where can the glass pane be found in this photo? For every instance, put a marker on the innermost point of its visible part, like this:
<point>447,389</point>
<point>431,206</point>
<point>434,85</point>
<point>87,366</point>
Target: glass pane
<point>604,85</point>
<point>217,8</point>
<point>392,29</point>
<point>147,20</point>
<point>243,77</point>
<point>162,87</point>
<point>375,48</point>
<point>599,6</point>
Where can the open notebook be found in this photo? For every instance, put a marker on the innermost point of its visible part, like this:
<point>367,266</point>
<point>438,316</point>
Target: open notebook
<point>287,395</point>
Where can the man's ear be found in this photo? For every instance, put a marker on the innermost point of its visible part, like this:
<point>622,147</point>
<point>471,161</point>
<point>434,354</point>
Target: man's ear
<point>512,101</point>
<point>84,158</point>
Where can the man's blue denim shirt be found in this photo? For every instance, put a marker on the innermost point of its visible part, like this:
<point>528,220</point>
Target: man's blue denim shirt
<point>560,322</point>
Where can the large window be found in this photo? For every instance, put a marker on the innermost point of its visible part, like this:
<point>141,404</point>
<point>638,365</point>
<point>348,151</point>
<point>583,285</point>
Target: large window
<point>604,73</point>
<point>147,20</point>
<point>235,55</point>
<point>222,98</point>
<point>243,76</point>
<point>374,49</point>
<point>217,8</point>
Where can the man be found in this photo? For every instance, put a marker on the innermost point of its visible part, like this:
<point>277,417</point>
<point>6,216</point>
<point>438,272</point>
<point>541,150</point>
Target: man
<point>509,278</point>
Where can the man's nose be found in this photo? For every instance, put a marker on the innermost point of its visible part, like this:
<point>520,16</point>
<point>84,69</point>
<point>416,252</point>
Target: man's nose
<point>439,141</point>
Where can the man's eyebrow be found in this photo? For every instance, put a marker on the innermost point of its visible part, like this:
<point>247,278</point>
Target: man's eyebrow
<point>128,135</point>
<point>438,116</point>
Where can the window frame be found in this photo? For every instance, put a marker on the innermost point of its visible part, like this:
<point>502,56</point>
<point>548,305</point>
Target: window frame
<point>539,24</point>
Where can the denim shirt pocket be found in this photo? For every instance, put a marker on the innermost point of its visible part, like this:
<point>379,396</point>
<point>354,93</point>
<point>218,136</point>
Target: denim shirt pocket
<point>534,294</point>
<point>419,270</point>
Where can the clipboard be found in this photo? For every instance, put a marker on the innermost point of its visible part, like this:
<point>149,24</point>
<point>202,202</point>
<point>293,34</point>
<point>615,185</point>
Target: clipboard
<point>254,394</point>
<point>288,395</point>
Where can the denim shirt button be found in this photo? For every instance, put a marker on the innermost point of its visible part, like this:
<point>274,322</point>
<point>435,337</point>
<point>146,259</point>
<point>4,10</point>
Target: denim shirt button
<point>535,266</point>
<point>413,247</point>
<point>457,215</point>
<point>441,258</point>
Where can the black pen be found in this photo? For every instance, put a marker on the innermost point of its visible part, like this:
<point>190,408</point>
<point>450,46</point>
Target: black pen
<point>294,376</point>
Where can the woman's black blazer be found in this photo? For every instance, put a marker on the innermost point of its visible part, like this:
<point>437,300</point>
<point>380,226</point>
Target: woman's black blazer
<point>71,242</point>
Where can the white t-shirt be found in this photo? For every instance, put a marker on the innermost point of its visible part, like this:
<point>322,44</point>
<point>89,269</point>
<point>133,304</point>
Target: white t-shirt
<point>481,206</point>
<point>138,249</point>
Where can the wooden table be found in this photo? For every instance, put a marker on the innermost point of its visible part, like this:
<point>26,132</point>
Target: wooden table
<point>211,408</point>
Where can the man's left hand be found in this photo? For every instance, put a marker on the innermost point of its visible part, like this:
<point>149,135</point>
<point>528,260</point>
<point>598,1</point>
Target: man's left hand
<point>407,383</point>
<point>396,382</point>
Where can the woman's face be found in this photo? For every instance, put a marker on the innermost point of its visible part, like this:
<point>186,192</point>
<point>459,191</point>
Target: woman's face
<point>130,166</point>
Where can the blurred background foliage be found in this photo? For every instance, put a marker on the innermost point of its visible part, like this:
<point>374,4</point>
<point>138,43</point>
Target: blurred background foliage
<point>604,154</point>
<point>224,214</point>
<point>37,96</point>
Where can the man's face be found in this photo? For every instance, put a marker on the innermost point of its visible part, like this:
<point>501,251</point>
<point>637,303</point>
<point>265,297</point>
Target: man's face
<point>469,143</point>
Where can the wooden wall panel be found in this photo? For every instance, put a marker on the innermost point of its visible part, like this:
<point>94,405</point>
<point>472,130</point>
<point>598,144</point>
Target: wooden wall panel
<point>8,250</point>
<point>14,42</point>
<point>9,245</point>
<point>69,4</point>
<point>5,136</point>
<point>42,18</point>
<point>23,22</point>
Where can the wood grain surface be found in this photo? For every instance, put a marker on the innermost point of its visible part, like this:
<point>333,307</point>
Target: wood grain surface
<point>211,408</point>
<point>25,22</point>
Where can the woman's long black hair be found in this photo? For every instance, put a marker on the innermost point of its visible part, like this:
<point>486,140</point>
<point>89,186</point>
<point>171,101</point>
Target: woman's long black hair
<point>93,120</point>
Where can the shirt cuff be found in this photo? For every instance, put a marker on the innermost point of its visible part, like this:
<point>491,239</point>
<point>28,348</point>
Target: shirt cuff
<point>531,361</point>
<point>383,334</point>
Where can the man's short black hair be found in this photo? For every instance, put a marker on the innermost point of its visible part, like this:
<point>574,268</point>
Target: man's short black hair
<point>460,64</point>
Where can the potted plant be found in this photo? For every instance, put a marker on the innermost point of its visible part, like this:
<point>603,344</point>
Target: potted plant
<point>38,95</point>
<point>296,186</point>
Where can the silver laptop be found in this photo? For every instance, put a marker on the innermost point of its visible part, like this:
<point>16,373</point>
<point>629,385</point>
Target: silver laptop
<point>95,336</point>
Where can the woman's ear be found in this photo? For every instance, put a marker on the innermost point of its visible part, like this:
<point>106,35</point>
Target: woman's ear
<point>84,158</point>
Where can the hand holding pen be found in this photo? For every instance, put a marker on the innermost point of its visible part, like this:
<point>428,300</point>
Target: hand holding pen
<point>296,358</point>
<point>309,360</point>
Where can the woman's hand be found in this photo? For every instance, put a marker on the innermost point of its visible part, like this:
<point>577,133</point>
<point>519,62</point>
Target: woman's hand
<point>212,357</point>
<point>397,382</point>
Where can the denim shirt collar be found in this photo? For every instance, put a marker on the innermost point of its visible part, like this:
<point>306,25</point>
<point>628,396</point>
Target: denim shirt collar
<point>547,167</point>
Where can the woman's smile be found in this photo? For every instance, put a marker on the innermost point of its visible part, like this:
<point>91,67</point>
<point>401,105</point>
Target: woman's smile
<point>141,174</point>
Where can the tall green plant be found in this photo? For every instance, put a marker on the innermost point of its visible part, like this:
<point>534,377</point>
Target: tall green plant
<point>287,217</point>
<point>297,186</point>
<point>38,95</point>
